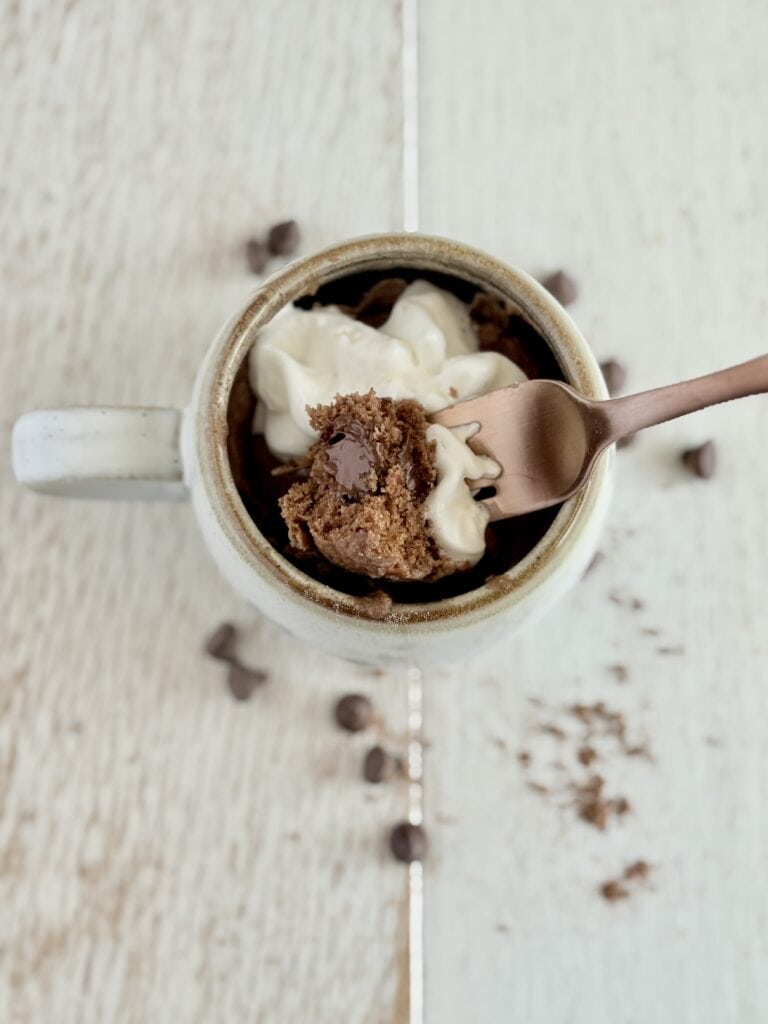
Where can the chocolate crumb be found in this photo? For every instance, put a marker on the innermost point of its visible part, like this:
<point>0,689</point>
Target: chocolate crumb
<point>354,712</point>
<point>619,672</point>
<point>243,681</point>
<point>638,869</point>
<point>379,765</point>
<point>284,238</point>
<point>614,890</point>
<point>408,842</point>
<point>377,605</point>
<point>221,643</point>
<point>593,807</point>
<point>617,888</point>
<point>678,649</point>
<point>524,758</point>
<point>562,287</point>
<point>553,730</point>
<point>701,461</point>
<point>257,255</point>
<point>614,375</point>
<point>586,755</point>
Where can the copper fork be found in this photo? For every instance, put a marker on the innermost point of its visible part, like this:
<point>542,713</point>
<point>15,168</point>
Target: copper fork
<point>547,438</point>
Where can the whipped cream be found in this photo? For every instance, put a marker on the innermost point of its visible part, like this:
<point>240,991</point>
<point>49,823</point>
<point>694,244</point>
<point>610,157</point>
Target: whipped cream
<point>426,350</point>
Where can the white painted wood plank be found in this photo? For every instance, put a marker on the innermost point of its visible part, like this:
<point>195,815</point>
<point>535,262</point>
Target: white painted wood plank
<point>165,853</point>
<point>628,144</point>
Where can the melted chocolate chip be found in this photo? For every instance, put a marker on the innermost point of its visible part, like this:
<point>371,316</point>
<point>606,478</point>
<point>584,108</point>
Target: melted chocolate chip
<point>352,460</point>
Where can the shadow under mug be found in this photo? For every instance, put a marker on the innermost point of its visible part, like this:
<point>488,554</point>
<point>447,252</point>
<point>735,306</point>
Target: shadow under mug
<point>157,453</point>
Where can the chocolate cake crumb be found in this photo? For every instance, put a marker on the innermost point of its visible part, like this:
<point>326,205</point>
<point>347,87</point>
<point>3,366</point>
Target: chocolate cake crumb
<point>618,888</point>
<point>586,755</point>
<point>362,506</point>
<point>638,869</point>
<point>377,605</point>
<point>593,806</point>
<point>614,890</point>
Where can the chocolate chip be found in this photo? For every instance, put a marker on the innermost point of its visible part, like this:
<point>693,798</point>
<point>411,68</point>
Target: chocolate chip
<point>284,238</point>
<point>221,643</point>
<point>701,461</point>
<point>614,375</point>
<point>379,765</point>
<point>354,712</point>
<point>243,681</point>
<point>562,287</point>
<point>257,254</point>
<point>408,842</point>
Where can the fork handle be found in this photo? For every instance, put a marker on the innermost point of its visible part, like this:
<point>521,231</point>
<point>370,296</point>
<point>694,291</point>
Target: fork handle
<point>634,412</point>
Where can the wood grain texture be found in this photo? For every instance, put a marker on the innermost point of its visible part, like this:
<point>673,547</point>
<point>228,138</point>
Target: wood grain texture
<point>629,145</point>
<point>165,853</point>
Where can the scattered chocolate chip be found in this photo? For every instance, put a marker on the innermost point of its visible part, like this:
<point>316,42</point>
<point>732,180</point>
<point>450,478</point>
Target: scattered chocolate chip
<point>586,755</point>
<point>562,287</point>
<point>614,890</point>
<point>379,765</point>
<point>524,758</point>
<point>408,842</point>
<point>614,374</point>
<point>257,255</point>
<point>701,461</point>
<point>243,681</point>
<point>354,712</point>
<point>284,238</point>
<point>221,643</point>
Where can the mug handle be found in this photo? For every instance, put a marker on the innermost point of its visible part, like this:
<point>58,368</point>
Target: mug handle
<point>101,452</point>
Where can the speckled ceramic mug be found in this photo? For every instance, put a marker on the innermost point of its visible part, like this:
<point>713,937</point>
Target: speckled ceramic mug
<point>169,453</point>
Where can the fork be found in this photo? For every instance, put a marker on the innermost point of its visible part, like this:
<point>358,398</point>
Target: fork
<point>547,438</point>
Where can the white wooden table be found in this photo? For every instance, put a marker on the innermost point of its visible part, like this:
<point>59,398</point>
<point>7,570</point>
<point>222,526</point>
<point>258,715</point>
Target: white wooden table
<point>169,855</point>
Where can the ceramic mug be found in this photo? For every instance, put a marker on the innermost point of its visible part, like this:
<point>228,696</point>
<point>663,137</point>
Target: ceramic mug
<point>169,453</point>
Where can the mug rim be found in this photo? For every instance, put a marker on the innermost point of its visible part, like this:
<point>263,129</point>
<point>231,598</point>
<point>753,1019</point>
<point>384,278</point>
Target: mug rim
<point>303,277</point>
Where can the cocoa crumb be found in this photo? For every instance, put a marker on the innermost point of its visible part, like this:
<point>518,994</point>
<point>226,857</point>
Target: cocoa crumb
<point>613,890</point>
<point>553,730</point>
<point>586,755</point>
<point>619,672</point>
<point>638,869</point>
